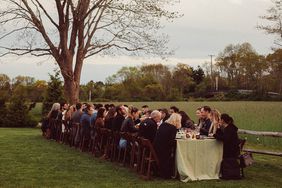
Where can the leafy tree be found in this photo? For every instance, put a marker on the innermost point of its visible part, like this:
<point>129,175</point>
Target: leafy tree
<point>242,66</point>
<point>182,78</point>
<point>23,80</point>
<point>3,112</point>
<point>17,115</point>
<point>275,62</point>
<point>158,74</point>
<point>154,92</point>
<point>198,75</point>
<point>4,87</point>
<point>54,92</point>
<point>38,90</point>
<point>72,30</point>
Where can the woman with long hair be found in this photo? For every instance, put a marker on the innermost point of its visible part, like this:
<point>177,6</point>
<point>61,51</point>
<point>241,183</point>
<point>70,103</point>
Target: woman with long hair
<point>227,133</point>
<point>215,118</point>
<point>164,144</point>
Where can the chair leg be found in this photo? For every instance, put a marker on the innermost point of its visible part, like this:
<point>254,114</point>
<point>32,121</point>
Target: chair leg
<point>124,156</point>
<point>142,161</point>
<point>148,175</point>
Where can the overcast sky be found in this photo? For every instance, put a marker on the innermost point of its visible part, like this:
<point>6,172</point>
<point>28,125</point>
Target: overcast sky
<point>207,27</point>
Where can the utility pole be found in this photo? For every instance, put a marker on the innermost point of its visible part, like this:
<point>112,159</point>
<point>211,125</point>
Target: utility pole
<point>211,63</point>
<point>211,72</point>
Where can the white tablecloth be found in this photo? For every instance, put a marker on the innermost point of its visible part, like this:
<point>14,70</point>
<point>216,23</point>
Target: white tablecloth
<point>198,159</point>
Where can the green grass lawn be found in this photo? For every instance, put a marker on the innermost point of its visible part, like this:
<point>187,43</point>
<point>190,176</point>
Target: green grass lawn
<point>28,160</point>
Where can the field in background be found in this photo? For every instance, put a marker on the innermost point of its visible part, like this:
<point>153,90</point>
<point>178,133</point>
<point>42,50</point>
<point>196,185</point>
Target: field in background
<point>258,116</point>
<point>29,160</point>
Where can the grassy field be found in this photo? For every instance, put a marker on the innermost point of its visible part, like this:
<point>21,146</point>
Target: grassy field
<point>259,116</point>
<point>28,160</point>
<point>263,116</point>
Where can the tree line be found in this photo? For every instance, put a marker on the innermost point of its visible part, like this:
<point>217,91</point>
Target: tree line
<point>240,72</point>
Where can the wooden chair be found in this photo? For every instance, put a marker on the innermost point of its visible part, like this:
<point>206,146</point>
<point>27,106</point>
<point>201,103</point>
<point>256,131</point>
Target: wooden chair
<point>78,136</point>
<point>95,141</point>
<point>107,137</point>
<point>135,152</point>
<point>73,131</point>
<point>114,146</point>
<point>85,140</point>
<point>103,141</point>
<point>122,152</point>
<point>51,130</point>
<point>58,127</point>
<point>65,136</point>
<point>241,146</point>
<point>149,158</point>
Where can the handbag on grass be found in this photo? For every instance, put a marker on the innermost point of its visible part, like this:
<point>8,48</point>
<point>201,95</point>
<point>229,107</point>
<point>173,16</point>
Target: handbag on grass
<point>246,159</point>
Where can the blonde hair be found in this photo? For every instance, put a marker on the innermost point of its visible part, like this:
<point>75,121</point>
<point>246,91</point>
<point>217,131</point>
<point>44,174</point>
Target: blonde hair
<point>215,114</point>
<point>55,106</point>
<point>175,120</point>
<point>215,117</point>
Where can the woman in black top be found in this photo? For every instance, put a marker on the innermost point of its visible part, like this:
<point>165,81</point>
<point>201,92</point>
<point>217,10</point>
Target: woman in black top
<point>227,133</point>
<point>164,144</point>
<point>109,119</point>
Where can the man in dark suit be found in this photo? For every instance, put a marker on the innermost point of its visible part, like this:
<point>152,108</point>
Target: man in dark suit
<point>206,122</point>
<point>149,126</point>
<point>119,118</point>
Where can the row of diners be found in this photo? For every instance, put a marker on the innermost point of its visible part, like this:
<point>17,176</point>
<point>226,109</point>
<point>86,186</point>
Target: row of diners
<point>141,140</point>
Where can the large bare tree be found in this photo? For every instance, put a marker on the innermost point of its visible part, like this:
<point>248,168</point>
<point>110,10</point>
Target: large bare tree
<point>73,30</point>
<point>274,21</point>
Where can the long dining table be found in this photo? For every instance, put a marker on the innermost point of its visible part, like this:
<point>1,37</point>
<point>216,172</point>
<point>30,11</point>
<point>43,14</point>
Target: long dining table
<point>198,159</point>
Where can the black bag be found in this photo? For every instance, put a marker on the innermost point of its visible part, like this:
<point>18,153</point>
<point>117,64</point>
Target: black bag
<point>246,159</point>
<point>230,169</point>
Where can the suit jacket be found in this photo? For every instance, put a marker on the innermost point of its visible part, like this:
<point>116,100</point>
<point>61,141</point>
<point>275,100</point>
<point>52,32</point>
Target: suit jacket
<point>148,129</point>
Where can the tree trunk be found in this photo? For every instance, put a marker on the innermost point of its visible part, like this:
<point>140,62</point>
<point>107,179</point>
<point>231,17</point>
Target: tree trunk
<point>71,90</point>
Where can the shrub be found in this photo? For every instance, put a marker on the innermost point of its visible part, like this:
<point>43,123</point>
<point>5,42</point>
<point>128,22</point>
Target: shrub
<point>3,112</point>
<point>54,92</point>
<point>17,113</point>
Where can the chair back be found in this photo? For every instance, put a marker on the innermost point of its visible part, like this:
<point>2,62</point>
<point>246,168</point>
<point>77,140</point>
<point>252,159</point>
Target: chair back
<point>146,144</point>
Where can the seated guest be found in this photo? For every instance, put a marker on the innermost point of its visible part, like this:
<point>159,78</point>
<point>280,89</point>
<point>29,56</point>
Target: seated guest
<point>87,120</point>
<point>199,116</point>
<point>206,122</point>
<point>128,124</point>
<point>55,111</point>
<point>186,122</point>
<point>148,127</point>
<point>146,115</point>
<point>173,109</point>
<point>109,119</point>
<point>227,133</point>
<point>99,122</point>
<point>119,118</point>
<point>145,108</point>
<point>215,117</point>
<point>48,129</point>
<point>164,143</point>
<point>77,114</point>
<point>64,108</point>
<point>165,115</point>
